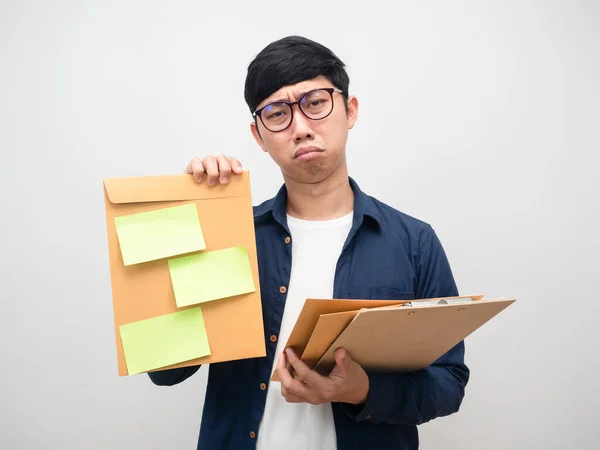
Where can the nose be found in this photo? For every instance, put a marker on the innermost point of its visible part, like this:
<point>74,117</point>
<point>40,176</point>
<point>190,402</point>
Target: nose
<point>301,126</point>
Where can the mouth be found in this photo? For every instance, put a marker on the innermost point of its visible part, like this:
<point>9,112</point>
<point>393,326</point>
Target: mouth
<point>305,153</point>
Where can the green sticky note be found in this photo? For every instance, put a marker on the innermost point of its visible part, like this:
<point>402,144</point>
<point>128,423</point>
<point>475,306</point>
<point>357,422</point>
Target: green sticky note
<point>159,234</point>
<point>164,340</point>
<point>211,275</point>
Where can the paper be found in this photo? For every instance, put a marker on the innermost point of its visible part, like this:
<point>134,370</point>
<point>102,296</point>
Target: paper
<point>211,276</point>
<point>164,340</point>
<point>159,234</point>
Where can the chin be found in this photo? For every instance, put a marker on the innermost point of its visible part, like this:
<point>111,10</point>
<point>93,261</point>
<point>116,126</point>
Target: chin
<point>310,173</point>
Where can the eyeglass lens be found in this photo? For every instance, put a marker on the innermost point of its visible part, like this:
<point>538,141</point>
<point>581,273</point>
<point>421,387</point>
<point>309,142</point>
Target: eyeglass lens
<point>315,105</point>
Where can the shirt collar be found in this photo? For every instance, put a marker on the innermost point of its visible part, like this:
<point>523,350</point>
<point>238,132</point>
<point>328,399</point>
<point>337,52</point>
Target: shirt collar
<point>364,206</point>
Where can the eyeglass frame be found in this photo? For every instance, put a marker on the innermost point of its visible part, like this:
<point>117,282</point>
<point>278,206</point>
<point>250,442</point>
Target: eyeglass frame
<point>330,90</point>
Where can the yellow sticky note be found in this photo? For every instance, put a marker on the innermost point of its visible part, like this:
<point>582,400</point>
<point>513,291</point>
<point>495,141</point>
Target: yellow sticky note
<point>159,234</point>
<point>211,275</point>
<point>164,340</point>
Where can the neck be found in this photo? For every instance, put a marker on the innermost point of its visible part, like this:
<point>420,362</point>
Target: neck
<point>327,199</point>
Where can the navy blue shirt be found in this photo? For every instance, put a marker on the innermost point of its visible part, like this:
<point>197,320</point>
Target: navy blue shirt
<point>387,255</point>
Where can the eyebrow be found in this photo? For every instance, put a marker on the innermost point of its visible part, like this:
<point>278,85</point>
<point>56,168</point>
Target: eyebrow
<point>302,94</point>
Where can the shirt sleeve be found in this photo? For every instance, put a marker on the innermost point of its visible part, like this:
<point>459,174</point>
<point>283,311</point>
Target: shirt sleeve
<point>171,377</point>
<point>413,398</point>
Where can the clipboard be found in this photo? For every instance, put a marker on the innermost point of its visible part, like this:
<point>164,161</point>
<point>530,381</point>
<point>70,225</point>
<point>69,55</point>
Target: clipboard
<point>387,336</point>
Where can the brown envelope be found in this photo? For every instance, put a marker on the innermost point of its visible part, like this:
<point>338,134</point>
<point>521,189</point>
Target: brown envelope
<point>234,325</point>
<point>327,330</point>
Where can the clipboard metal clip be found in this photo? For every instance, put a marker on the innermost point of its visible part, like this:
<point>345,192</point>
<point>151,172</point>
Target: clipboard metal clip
<point>441,301</point>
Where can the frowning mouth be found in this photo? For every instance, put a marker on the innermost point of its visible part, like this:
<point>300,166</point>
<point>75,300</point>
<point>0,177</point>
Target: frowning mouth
<point>305,153</point>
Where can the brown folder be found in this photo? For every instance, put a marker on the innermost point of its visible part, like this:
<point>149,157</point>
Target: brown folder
<point>312,310</point>
<point>234,325</point>
<point>393,337</point>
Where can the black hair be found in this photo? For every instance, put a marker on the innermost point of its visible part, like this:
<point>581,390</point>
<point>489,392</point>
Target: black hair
<point>289,61</point>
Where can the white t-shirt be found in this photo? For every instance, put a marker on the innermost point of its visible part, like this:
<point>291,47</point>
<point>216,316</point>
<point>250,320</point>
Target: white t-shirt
<point>316,247</point>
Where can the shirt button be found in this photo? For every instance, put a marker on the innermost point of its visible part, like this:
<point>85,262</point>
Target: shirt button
<point>252,434</point>
<point>263,386</point>
<point>287,240</point>
<point>282,289</point>
<point>273,338</point>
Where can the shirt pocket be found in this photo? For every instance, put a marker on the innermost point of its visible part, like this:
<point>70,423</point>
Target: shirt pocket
<point>386,293</point>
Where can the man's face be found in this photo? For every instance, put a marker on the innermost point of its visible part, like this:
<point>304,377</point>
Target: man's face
<point>308,151</point>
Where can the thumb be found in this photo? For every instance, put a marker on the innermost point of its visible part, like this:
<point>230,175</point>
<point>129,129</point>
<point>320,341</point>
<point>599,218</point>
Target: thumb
<point>342,358</point>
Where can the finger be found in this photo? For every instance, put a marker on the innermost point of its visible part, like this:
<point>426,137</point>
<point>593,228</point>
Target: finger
<point>290,369</point>
<point>212,170</point>
<point>343,360</point>
<point>281,363</point>
<point>292,398</point>
<point>289,384</point>
<point>307,375</point>
<point>236,166</point>
<point>294,374</point>
<point>196,169</point>
<point>282,366</point>
<point>224,169</point>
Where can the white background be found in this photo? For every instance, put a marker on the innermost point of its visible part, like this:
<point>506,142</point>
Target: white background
<point>481,118</point>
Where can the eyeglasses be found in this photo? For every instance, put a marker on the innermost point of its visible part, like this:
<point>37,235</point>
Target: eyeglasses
<point>315,105</point>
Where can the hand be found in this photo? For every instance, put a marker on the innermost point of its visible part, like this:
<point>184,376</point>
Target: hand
<point>215,167</point>
<point>347,382</point>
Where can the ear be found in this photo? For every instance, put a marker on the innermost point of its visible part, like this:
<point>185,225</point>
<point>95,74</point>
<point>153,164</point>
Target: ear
<point>257,136</point>
<point>352,114</point>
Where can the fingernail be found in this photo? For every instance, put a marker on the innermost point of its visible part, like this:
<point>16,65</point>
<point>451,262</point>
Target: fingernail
<point>224,180</point>
<point>211,183</point>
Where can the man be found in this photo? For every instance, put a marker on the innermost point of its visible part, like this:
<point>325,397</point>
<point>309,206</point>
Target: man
<point>322,237</point>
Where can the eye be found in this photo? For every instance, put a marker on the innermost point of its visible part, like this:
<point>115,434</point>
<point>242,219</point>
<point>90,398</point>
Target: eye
<point>315,101</point>
<point>275,115</point>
